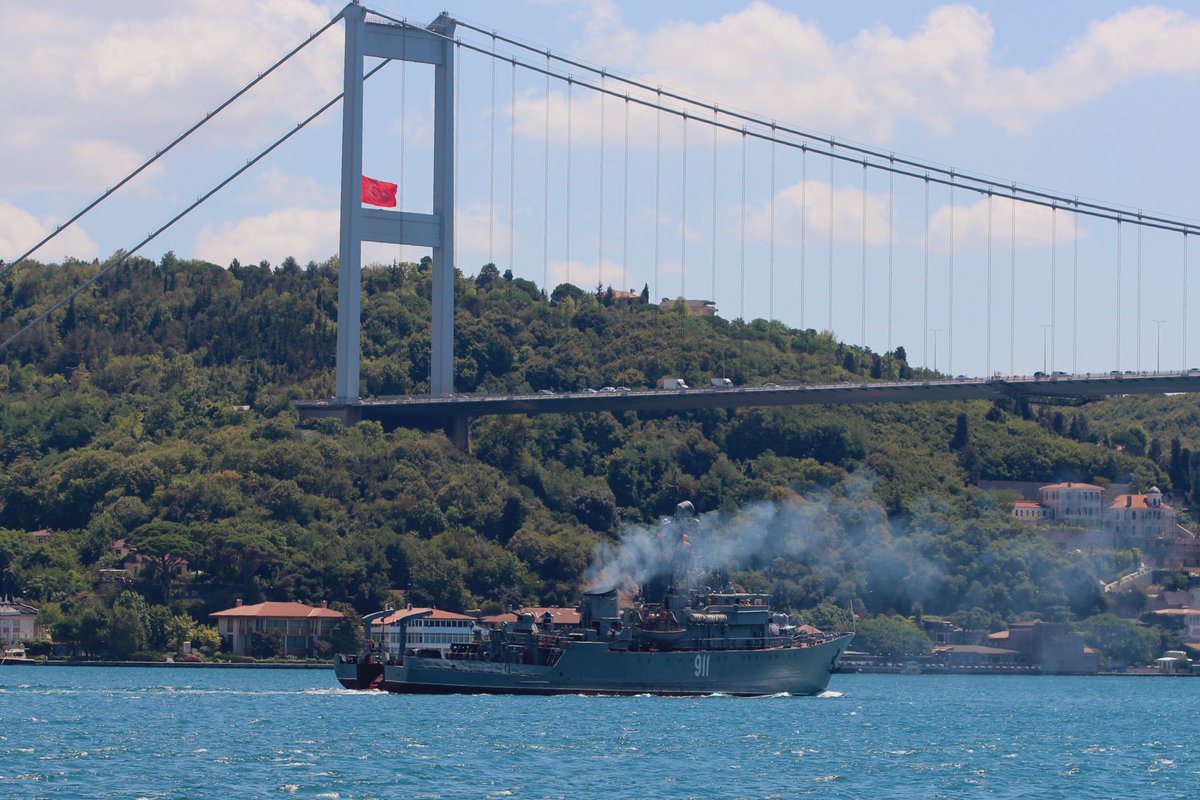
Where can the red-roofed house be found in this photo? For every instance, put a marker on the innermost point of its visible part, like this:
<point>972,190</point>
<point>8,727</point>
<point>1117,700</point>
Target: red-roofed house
<point>559,617</point>
<point>422,629</point>
<point>1028,509</point>
<point>300,625</point>
<point>1140,519</point>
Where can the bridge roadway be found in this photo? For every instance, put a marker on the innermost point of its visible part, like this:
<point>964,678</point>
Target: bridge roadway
<point>455,411</point>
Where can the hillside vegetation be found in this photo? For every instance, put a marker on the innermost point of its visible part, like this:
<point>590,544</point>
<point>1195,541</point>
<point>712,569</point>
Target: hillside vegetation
<point>156,408</point>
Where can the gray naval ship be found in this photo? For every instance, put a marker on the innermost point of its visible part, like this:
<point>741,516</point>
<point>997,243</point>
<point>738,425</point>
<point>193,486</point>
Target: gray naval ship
<point>673,641</point>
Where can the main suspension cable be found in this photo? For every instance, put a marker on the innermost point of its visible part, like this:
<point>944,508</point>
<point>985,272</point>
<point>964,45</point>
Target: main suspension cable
<point>199,200</point>
<point>162,152</point>
<point>853,152</point>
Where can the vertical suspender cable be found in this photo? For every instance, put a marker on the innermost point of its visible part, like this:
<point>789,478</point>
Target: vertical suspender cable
<point>457,146</point>
<point>1012,287</point>
<point>713,276</point>
<point>1138,339</point>
<point>925,301</point>
<point>683,205</point>
<point>568,200</point>
<point>891,244</point>
<point>864,255</point>
<point>1053,281</point>
<point>625,203</point>
<point>512,172</point>
<point>1118,314</point>
<point>1075,296</point>
<point>950,294</point>
<point>600,232</point>
<point>988,348</point>
<point>546,191</point>
<point>803,226</point>
<point>657,188</point>
<point>742,300</point>
<point>1184,365</point>
<point>771,251</point>
<point>403,136</point>
<point>829,286</point>
<point>492,164</point>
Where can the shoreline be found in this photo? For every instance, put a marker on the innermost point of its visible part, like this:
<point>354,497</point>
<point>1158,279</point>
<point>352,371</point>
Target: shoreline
<point>172,664</point>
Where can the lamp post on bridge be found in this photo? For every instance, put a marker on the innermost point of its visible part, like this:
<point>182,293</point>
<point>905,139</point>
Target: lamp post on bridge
<point>1158,344</point>
<point>935,332</point>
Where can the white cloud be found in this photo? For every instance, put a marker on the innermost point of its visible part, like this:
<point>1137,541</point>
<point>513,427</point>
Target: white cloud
<point>304,233</point>
<point>1034,224</point>
<point>116,87</point>
<point>808,203</point>
<point>277,187</point>
<point>20,230</point>
<point>587,274</point>
<point>773,62</point>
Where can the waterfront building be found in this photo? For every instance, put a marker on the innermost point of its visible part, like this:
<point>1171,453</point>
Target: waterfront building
<point>980,656</point>
<point>435,630</point>
<point>17,621</point>
<point>1049,645</point>
<point>300,626</point>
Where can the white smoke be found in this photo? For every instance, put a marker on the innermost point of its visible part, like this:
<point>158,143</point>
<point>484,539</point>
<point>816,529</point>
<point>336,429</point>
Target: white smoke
<point>718,542</point>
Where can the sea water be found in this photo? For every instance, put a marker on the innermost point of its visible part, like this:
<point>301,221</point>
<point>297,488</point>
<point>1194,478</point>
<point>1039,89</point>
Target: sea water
<point>127,732</point>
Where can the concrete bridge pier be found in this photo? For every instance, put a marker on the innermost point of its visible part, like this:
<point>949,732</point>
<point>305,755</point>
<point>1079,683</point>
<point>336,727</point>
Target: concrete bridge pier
<point>458,431</point>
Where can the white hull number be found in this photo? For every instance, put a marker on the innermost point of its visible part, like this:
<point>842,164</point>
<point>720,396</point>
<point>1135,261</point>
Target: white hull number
<point>701,664</point>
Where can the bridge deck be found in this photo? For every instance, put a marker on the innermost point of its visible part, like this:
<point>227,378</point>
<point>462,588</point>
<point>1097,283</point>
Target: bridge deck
<point>1063,389</point>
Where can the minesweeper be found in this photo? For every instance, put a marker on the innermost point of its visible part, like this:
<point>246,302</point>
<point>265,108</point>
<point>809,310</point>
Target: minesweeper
<point>671,642</point>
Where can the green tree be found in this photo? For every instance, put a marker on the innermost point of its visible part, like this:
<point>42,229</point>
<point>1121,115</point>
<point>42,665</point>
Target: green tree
<point>892,637</point>
<point>347,634</point>
<point>167,546</point>
<point>1119,639</point>
<point>266,644</point>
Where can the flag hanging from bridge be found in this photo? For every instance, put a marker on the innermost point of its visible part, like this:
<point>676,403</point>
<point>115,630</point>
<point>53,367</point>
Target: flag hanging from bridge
<point>378,193</point>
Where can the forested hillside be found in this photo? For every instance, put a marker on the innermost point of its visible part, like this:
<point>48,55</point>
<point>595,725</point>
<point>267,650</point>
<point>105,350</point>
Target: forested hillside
<point>156,409</point>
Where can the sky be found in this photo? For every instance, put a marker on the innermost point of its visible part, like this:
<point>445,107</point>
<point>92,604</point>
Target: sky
<point>1087,99</point>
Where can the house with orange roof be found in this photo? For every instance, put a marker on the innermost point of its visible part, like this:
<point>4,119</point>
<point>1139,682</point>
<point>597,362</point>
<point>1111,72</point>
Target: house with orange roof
<point>545,616</point>
<point>1140,519</point>
<point>1028,509</point>
<point>301,626</point>
<point>421,629</point>
<point>1048,645</point>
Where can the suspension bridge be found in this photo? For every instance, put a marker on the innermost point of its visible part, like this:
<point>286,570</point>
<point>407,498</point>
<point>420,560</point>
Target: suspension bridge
<point>600,179</point>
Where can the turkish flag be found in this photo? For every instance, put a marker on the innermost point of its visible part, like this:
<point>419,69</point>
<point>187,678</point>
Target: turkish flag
<point>378,193</point>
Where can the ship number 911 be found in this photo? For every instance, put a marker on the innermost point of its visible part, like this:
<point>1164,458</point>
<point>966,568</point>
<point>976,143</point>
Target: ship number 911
<point>701,665</point>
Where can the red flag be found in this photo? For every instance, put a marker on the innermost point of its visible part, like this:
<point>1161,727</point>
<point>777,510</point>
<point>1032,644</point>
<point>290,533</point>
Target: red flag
<point>378,193</point>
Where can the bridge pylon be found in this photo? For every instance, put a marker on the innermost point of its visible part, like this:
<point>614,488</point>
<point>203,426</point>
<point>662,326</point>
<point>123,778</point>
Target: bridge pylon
<point>433,45</point>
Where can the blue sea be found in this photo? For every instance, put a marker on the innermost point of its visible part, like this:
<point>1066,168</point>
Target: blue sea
<point>128,732</point>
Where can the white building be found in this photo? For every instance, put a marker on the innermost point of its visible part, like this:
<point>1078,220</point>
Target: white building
<point>422,629</point>
<point>1140,519</point>
<point>17,621</point>
<point>1080,503</point>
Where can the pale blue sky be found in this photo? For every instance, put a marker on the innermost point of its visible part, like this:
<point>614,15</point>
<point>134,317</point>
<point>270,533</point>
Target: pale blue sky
<point>1094,99</point>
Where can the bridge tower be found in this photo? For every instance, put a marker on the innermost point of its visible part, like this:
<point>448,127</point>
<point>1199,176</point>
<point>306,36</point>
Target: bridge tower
<point>435,46</point>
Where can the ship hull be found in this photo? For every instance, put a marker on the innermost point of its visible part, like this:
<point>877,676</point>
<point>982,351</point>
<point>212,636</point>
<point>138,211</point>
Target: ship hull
<point>594,668</point>
<point>358,673</point>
